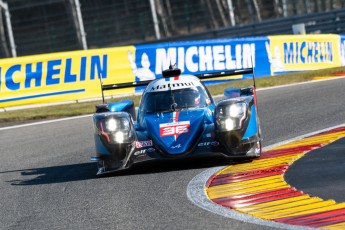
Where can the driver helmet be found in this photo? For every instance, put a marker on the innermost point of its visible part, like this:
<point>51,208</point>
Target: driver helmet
<point>197,98</point>
<point>194,97</point>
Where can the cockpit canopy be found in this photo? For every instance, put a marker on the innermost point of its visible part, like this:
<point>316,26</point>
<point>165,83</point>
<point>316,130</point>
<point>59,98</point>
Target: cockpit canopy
<point>172,100</point>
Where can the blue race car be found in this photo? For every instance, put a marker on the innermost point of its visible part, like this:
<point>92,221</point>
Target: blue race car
<point>177,117</point>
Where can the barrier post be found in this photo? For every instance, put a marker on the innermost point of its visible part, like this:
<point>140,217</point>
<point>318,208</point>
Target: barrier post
<point>4,5</point>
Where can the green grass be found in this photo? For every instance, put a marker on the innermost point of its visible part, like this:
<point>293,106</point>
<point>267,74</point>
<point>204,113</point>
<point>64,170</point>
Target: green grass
<point>68,110</point>
<point>279,79</point>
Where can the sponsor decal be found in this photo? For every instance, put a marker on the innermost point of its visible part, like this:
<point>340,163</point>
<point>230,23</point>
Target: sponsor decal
<point>212,143</point>
<point>207,135</point>
<point>141,153</point>
<point>176,85</point>
<point>142,144</point>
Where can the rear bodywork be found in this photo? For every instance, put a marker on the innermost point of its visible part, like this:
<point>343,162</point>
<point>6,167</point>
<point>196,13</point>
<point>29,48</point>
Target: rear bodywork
<point>176,118</point>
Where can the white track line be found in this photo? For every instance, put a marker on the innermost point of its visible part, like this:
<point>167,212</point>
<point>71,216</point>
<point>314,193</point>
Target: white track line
<point>44,122</point>
<point>301,83</point>
<point>196,193</point>
<point>291,85</point>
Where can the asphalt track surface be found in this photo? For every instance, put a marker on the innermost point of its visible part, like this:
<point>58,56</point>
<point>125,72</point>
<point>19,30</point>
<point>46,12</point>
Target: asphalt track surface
<point>47,181</point>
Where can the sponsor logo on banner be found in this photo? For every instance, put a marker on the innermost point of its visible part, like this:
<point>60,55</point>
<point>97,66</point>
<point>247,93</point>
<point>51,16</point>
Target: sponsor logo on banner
<point>174,129</point>
<point>308,52</point>
<point>142,144</point>
<point>62,76</point>
<point>196,57</point>
<point>193,57</point>
<point>53,72</point>
<point>342,50</point>
<point>206,58</point>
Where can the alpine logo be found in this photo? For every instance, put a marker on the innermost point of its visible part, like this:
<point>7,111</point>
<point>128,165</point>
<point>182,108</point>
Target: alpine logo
<point>176,146</point>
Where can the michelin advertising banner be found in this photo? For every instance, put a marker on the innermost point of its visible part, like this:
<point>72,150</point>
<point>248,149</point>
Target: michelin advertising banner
<point>59,77</point>
<point>203,56</point>
<point>304,52</point>
<point>73,76</point>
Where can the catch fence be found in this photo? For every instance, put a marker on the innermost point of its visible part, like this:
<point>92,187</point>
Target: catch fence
<point>44,26</point>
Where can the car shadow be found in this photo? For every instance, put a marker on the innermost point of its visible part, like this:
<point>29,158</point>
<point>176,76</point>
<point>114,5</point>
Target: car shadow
<point>54,174</point>
<point>87,171</point>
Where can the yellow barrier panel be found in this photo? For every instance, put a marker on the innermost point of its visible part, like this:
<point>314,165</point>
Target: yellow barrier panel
<point>303,52</point>
<point>63,76</point>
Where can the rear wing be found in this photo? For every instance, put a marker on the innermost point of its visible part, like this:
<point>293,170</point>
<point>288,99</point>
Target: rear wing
<point>125,85</point>
<point>225,73</point>
<point>173,72</point>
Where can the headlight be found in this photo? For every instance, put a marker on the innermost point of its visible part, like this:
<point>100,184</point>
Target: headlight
<point>114,124</point>
<point>231,114</point>
<point>114,127</point>
<point>111,124</point>
<point>120,136</point>
<point>237,110</point>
